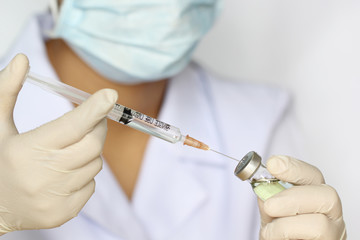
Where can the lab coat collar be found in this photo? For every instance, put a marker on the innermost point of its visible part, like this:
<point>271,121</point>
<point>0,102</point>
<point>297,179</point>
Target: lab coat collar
<point>188,106</point>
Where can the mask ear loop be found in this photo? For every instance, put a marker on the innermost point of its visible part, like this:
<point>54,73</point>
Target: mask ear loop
<point>54,12</point>
<point>54,9</point>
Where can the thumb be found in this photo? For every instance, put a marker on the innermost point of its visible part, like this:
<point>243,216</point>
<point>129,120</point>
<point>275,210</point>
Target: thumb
<point>11,79</point>
<point>74,125</point>
<point>291,170</point>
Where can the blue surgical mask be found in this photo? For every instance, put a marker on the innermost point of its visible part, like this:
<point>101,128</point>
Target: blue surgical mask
<point>132,41</point>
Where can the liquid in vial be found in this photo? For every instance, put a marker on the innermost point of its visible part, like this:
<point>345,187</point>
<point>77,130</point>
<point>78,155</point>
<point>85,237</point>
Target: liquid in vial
<point>263,183</point>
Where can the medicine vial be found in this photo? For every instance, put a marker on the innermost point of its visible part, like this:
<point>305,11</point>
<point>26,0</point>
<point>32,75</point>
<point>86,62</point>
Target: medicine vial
<point>263,183</point>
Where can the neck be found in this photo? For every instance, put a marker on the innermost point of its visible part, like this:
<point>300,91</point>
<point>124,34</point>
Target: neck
<point>124,147</point>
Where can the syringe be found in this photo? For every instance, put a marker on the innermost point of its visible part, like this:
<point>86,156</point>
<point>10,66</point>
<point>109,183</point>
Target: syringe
<point>119,113</point>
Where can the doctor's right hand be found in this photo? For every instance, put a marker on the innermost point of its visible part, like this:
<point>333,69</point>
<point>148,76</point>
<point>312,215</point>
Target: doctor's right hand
<point>47,174</point>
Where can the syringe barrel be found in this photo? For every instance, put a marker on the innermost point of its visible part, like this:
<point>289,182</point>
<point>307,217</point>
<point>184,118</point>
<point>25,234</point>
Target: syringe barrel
<point>61,89</point>
<point>119,113</point>
<point>146,124</point>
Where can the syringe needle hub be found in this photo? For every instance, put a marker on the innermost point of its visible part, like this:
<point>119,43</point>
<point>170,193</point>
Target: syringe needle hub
<point>192,142</point>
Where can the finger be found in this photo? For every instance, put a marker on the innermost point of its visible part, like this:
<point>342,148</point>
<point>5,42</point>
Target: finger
<point>291,170</point>
<point>305,199</point>
<point>79,198</point>
<point>11,79</point>
<point>81,153</point>
<point>74,125</point>
<point>308,226</point>
<point>265,218</point>
<point>79,178</point>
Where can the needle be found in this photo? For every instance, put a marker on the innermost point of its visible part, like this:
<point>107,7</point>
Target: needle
<point>224,155</point>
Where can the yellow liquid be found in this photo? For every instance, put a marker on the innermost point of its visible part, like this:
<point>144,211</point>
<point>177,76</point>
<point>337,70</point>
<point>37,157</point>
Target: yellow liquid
<point>266,188</point>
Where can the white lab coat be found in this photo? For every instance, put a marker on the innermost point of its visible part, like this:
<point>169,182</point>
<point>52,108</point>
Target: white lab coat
<point>181,193</point>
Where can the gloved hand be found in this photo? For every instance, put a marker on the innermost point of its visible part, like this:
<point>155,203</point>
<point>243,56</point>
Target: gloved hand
<point>47,174</point>
<point>309,210</point>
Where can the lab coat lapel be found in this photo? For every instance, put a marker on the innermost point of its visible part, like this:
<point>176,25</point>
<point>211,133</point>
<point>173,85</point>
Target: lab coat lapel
<point>168,192</point>
<point>110,208</point>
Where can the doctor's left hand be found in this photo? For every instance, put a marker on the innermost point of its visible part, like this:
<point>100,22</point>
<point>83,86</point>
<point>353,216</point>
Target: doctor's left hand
<point>309,210</point>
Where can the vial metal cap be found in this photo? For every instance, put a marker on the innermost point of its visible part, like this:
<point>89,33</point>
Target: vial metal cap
<point>248,166</point>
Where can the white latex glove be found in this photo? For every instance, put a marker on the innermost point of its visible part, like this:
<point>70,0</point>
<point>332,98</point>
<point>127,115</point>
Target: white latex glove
<point>309,210</point>
<point>47,174</point>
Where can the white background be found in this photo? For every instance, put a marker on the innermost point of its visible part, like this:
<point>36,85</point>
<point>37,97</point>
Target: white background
<point>312,48</point>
